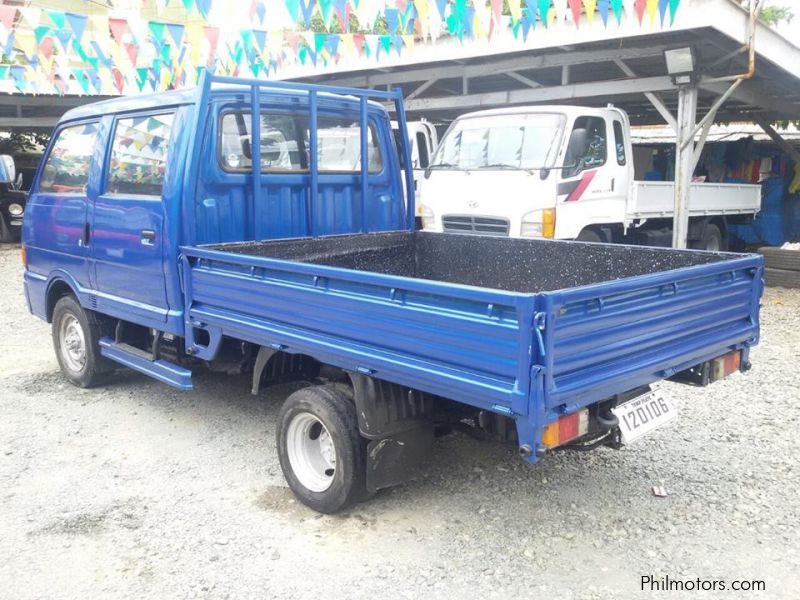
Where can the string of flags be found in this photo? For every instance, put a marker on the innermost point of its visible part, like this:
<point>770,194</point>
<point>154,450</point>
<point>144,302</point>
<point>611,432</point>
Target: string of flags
<point>154,45</point>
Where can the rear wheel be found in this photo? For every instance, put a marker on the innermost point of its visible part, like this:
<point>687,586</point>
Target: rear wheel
<point>75,339</point>
<point>321,451</point>
<point>712,239</point>
<point>589,235</point>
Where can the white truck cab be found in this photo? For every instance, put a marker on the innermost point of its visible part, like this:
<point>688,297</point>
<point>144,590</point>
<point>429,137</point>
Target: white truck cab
<point>423,140</point>
<point>562,172</point>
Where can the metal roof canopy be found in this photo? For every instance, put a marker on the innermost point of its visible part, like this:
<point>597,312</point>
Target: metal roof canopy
<point>574,66</point>
<point>593,67</point>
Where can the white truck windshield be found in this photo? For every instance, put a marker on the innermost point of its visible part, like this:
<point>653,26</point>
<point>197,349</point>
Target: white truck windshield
<point>515,141</point>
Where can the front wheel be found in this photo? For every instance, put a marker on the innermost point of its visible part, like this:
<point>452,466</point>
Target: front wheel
<point>321,451</point>
<point>75,339</point>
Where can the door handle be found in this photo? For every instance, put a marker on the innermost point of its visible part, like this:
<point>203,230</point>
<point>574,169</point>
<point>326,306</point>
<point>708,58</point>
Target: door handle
<point>84,239</point>
<point>148,237</point>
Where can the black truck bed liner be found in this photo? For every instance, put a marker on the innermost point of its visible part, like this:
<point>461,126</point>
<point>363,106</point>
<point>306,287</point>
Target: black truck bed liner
<point>518,265</point>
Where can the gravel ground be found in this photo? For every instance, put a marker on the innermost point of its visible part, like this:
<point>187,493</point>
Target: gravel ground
<point>138,491</point>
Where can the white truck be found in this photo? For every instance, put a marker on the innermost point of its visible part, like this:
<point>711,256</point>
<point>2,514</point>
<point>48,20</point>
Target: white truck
<point>563,172</point>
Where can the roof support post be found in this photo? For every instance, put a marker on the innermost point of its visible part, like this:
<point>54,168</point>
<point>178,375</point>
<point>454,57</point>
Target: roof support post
<point>684,154</point>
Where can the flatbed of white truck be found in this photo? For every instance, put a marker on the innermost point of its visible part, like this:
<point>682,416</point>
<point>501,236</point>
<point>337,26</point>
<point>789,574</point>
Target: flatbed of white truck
<point>656,199</point>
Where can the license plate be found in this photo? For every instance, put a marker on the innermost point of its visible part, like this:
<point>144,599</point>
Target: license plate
<point>643,414</point>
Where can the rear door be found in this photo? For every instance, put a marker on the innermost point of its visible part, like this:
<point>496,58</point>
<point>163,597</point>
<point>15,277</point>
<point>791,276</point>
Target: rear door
<point>127,237</point>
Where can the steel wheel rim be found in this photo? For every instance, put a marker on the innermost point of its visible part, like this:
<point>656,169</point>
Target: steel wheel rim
<point>72,343</point>
<point>311,451</point>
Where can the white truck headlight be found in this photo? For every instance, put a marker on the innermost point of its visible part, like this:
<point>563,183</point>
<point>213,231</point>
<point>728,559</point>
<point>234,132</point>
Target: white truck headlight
<point>539,223</point>
<point>427,216</point>
<point>15,210</point>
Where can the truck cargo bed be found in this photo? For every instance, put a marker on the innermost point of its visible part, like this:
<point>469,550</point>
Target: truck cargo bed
<point>525,328</point>
<point>515,265</point>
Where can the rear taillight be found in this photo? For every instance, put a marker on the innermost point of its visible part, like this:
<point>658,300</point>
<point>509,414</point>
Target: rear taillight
<point>566,429</point>
<point>23,255</point>
<point>724,365</point>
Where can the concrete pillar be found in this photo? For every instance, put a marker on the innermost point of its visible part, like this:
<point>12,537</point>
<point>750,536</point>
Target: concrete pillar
<point>687,117</point>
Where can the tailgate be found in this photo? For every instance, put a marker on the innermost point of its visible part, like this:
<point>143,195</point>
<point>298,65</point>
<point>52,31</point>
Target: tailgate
<point>609,338</point>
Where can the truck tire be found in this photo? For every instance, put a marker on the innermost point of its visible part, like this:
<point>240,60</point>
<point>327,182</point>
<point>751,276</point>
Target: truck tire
<point>75,340</point>
<point>781,278</point>
<point>320,448</point>
<point>589,235</point>
<point>711,239</point>
<point>776,258</point>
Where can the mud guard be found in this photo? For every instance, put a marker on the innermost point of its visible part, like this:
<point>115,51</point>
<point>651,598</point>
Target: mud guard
<point>396,458</point>
<point>398,421</point>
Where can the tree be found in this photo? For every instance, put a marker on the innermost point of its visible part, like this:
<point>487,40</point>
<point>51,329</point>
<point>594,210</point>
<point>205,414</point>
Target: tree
<point>772,15</point>
<point>18,142</point>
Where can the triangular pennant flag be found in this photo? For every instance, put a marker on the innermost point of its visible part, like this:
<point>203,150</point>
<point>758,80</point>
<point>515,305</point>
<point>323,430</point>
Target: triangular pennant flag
<point>616,6</point>
<point>528,18</point>
<point>515,8</point>
<point>260,37</point>
<point>589,6</point>
<point>442,6</point>
<point>575,6</point>
<point>133,51</point>
<point>157,31</point>
<point>176,33</point>
<point>80,77</point>
<point>662,9</point>
<point>64,36</point>
<point>203,6</point>
<point>187,5</point>
<point>119,27</point>
<point>57,17</point>
<point>319,42</point>
<point>46,47</point>
<point>544,8</point>
<point>673,9</point>
<point>78,24</point>
<point>7,16</point>
<point>639,6</point>
<point>261,11</point>
<point>602,8</point>
<point>40,33</point>
<point>385,42</point>
<point>392,16</point>
<point>141,79</point>
<point>652,9</point>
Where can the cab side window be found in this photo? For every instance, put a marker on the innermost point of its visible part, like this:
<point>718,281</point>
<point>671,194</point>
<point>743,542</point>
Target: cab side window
<point>66,170</point>
<point>619,141</point>
<point>596,150</point>
<point>139,155</point>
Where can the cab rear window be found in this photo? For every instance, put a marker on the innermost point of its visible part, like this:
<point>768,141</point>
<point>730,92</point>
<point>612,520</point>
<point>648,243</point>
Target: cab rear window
<point>285,140</point>
<point>66,170</point>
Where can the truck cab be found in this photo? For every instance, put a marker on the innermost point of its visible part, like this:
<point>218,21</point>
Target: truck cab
<point>561,172</point>
<point>122,186</point>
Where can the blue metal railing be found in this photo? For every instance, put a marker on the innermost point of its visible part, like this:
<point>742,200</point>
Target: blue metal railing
<point>256,85</point>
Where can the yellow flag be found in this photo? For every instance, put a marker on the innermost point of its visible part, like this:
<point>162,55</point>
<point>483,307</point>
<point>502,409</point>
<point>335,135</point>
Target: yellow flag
<point>422,14</point>
<point>589,6</point>
<point>515,9</point>
<point>26,41</point>
<point>652,8</point>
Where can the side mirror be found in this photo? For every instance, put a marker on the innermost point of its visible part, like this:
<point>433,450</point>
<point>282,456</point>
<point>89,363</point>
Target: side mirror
<point>578,143</point>
<point>8,172</point>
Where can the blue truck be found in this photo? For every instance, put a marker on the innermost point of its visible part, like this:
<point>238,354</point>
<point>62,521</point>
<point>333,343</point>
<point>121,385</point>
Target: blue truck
<point>159,237</point>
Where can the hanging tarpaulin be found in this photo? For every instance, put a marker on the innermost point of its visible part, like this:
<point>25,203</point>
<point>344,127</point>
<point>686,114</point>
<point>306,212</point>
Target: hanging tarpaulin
<point>148,45</point>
